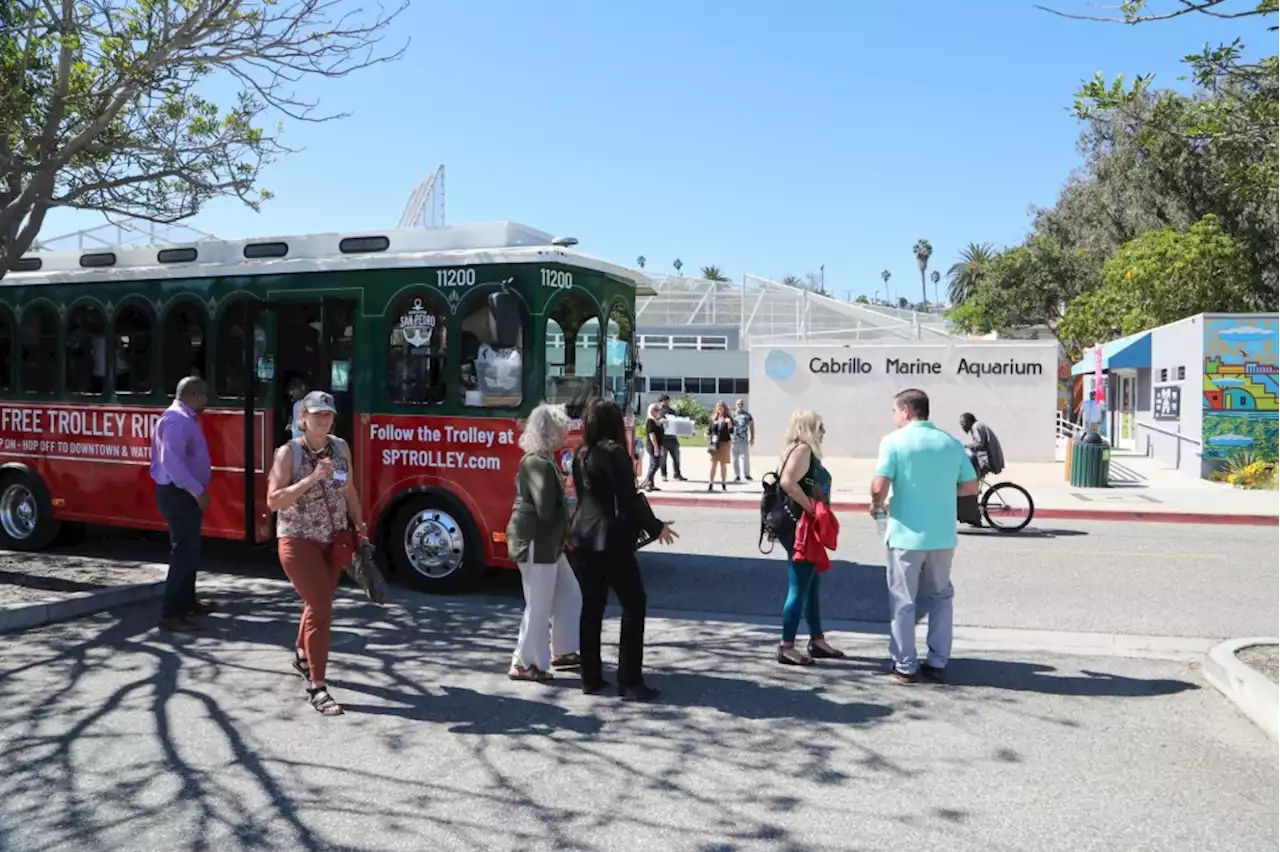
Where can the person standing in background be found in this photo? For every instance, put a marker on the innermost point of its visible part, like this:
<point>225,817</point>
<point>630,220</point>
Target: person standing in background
<point>927,470</point>
<point>295,391</point>
<point>654,434</point>
<point>670,442</point>
<point>181,471</point>
<point>744,438</point>
<point>719,434</point>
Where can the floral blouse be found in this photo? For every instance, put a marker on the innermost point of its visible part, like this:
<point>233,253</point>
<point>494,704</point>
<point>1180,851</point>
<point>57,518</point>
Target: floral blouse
<point>321,510</point>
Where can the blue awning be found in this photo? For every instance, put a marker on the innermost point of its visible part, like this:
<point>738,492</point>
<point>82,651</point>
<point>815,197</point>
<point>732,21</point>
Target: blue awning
<point>1130,352</point>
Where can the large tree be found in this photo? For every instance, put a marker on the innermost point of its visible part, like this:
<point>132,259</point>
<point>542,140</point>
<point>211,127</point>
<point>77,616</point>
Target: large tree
<point>965,273</point>
<point>1240,113</point>
<point>107,105</point>
<point>923,250</point>
<point>1028,285</point>
<point>1160,277</point>
<point>1137,177</point>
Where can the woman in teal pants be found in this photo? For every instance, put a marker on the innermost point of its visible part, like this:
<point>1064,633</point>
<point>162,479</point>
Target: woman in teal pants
<point>804,479</point>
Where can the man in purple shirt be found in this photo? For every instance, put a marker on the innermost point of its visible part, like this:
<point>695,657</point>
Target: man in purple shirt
<point>180,468</point>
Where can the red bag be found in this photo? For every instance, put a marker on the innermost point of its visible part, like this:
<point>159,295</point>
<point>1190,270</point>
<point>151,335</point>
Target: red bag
<point>342,548</point>
<point>816,534</point>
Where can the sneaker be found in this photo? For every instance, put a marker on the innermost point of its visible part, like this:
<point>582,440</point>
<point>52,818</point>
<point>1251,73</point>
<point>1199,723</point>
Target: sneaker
<point>933,674</point>
<point>737,480</point>
<point>903,677</point>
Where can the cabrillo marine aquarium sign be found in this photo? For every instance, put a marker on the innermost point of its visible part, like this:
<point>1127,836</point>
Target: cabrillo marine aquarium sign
<point>920,367</point>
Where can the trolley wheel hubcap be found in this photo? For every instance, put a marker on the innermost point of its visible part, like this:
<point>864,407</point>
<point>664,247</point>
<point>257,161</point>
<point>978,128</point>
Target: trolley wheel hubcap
<point>18,515</point>
<point>434,543</point>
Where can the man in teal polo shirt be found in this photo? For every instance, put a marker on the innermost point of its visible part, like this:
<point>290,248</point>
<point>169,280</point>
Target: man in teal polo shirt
<point>926,469</point>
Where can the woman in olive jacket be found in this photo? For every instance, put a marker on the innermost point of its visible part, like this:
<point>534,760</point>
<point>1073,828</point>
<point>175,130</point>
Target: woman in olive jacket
<point>609,520</point>
<point>535,542</point>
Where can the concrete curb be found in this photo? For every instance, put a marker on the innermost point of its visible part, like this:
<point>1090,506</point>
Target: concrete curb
<point>26,616</point>
<point>710,502</point>
<point>1255,695</point>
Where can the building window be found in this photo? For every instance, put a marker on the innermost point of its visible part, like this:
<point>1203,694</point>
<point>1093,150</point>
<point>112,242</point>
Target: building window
<point>183,352</point>
<point>1164,375</point>
<point>684,342</point>
<point>700,385</point>
<point>724,386</point>
<point>666,385</point>
<point>713,343</point>
<point>231,379</point>
<point>417,350</point>
<point>1182,374</point>
<point>38,353</point>
<point>6,352</point>
<point>741,387</point>
<point>490,377</point>
<point>86,351</point>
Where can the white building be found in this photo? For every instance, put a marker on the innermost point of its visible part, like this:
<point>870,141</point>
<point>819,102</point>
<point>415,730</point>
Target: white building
<point>1011,386</point>
<point>695,335</point>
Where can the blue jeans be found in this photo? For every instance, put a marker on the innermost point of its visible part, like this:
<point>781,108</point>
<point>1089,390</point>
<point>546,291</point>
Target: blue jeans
<point>802,597</point>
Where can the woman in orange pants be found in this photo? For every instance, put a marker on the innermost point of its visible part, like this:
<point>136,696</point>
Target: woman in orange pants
<point>311,487</point>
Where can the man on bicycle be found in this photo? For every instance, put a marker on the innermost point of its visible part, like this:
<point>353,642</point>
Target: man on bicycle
<point>983,448</point>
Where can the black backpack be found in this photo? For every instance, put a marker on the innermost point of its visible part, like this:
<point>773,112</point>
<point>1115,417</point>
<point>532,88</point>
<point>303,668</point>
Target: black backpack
<point>779,514</point>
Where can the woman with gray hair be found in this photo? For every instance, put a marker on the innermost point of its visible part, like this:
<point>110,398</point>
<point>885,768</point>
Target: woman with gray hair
<point>535,542</point>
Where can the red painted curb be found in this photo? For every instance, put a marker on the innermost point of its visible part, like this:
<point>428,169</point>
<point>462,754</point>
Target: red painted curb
<point>1048,514</point>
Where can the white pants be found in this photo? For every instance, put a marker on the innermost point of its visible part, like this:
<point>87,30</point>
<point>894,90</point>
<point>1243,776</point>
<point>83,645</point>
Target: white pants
<point>919,582</point>
<point>552,608</point>
<point>740,452</point>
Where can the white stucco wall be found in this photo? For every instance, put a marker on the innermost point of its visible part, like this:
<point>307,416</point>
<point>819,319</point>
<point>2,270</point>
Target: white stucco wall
<point>1179,344</point>
<point>852,386</point>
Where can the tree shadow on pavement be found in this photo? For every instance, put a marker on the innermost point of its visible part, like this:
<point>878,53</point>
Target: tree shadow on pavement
<point>1038,677</point>
<point>118,736</point>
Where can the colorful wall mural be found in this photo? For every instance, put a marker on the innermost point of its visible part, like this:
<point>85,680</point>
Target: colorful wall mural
<point>1241,393</point>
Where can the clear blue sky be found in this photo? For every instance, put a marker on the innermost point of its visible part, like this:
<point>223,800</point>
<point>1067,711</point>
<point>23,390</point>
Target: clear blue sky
<point>762,137</point>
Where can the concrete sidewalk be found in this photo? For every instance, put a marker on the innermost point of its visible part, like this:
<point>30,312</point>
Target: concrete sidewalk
<point>1141,489</point>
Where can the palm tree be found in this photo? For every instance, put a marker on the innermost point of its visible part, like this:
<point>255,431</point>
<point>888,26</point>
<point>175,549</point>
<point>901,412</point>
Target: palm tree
<point>923,251</point>
<point>885,276</point>
<point>640,261</point>
<point>713,273</point>
<point>679,264</point>
<point>792,281</point>
<point>964,274</point>
<point>935,276</point>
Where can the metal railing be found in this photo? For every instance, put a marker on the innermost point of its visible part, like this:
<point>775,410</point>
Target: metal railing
<point>1180,439</point>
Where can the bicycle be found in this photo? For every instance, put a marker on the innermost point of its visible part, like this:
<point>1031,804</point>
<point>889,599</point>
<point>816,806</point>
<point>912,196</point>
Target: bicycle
<point>999,505</point>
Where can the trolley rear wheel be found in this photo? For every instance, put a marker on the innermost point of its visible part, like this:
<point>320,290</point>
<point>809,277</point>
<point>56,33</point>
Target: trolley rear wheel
<point>1007,507</point>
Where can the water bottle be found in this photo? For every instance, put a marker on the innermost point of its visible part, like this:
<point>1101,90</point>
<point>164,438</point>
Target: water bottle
<point>882,521</point>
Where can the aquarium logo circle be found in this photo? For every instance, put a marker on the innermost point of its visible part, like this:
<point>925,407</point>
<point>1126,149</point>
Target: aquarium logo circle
<point>779,365</point>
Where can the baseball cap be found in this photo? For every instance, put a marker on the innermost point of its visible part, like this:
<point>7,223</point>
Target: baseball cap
<point>318,401</point>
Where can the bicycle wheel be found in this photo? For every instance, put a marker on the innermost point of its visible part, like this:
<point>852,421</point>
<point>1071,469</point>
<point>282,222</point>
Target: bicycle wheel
<point>1008,507</point>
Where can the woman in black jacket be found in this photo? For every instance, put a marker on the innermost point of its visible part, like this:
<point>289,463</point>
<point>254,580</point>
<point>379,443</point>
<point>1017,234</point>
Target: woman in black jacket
<point>607,523</point>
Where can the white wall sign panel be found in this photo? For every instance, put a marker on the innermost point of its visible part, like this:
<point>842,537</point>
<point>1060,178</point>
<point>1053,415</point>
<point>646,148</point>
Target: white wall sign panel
<point>1010,386</point>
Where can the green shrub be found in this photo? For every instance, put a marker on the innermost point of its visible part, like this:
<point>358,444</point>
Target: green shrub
<point>687,406</point>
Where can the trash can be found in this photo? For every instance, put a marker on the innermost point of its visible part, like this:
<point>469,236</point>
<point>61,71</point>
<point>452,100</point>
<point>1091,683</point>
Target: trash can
<point>1090,462</point>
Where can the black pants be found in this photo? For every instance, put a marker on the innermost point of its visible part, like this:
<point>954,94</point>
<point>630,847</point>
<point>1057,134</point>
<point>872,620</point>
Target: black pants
<point>598,573</point>
<point>184,516</point>
<point>671,447</point>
